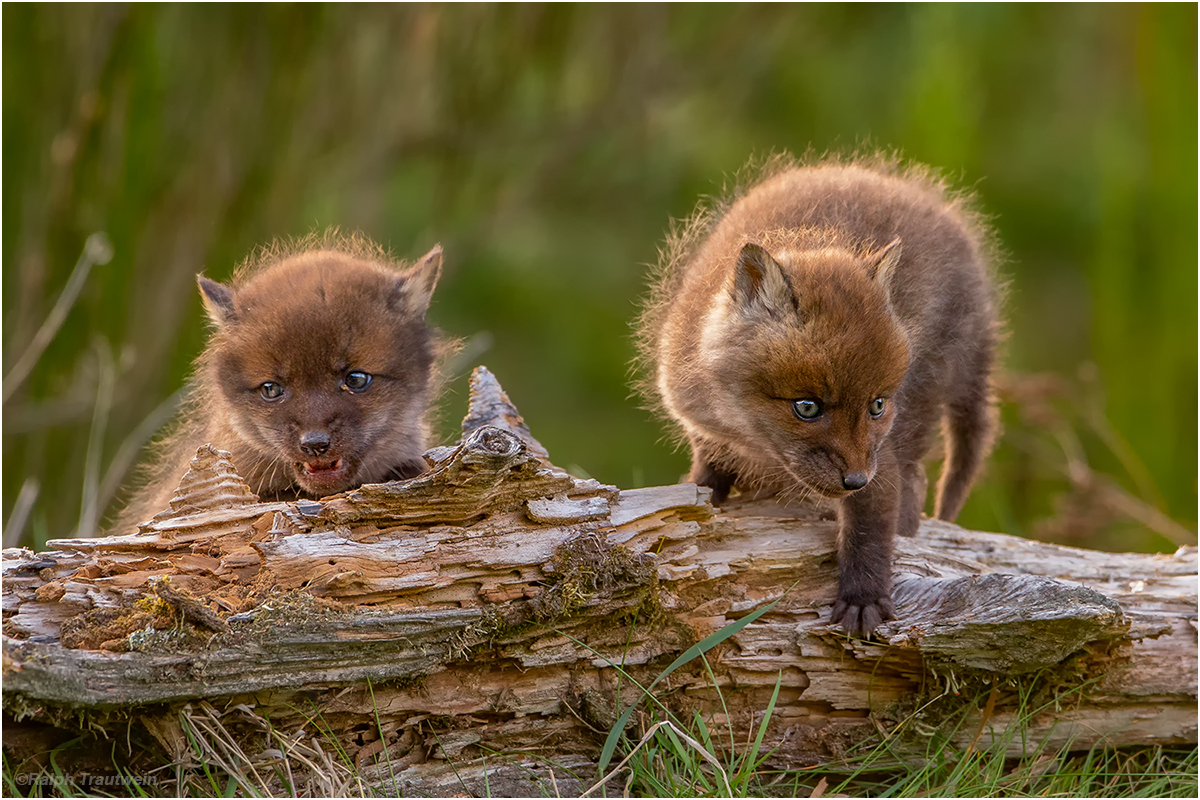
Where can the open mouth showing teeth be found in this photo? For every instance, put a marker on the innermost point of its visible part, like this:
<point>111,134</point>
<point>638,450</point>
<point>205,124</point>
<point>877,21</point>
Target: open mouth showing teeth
<point>322,467</point>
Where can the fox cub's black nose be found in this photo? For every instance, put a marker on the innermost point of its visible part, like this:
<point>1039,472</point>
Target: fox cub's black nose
<point>316,443</point>
<point>854,480</point>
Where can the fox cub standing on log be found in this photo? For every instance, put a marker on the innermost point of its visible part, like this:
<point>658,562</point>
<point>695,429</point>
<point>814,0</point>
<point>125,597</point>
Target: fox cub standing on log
<point>809,337</point>
<point>317,376</point>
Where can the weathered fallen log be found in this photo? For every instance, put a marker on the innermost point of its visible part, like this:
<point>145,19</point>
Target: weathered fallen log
<point>486,606</point>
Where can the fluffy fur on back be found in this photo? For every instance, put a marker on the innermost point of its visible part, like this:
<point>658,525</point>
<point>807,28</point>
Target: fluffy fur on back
<point>686,236</point>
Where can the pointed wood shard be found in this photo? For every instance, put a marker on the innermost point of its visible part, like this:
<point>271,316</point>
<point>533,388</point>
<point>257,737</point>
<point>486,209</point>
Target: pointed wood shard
<point>211,482</point>
<point>489,405</point>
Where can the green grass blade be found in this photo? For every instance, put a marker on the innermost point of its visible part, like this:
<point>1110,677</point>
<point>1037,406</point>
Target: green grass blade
<point>750,763</point>
<point>703,646</point>
<point>614,736</point>
<point>705,736</point>
<point>714,639</point>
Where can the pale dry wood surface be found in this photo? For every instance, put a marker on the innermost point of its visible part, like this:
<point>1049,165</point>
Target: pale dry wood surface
<point>484,606</point>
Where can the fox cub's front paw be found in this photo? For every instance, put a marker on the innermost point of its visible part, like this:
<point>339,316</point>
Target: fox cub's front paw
<point>859,615</point>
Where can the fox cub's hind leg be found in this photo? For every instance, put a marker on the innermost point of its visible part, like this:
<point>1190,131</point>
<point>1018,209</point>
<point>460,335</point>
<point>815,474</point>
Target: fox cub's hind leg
<point>969,428</point>
<point>914,487</point>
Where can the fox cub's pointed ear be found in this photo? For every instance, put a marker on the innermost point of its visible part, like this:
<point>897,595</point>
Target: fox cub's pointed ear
<point>414,288</point>
<point>218,300</point>
<point>759,283</point>
<point>882,264</point>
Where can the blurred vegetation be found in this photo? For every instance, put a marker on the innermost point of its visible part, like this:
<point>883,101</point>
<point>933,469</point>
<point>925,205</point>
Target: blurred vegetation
<point>547,147</point>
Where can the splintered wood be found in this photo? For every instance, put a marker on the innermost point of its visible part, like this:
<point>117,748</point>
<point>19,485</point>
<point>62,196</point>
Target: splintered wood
<point>487,605</point>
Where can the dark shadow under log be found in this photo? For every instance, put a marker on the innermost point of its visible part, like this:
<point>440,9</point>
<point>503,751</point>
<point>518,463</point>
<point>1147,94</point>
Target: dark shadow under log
<point>482,607</point>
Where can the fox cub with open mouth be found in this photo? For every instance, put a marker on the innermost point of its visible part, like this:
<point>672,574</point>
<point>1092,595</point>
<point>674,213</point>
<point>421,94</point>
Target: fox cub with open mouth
<point>317,376</point>
<point>810,336</point>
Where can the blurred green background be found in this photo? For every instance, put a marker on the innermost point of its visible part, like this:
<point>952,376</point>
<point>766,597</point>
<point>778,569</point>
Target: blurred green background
<point>547,148</point>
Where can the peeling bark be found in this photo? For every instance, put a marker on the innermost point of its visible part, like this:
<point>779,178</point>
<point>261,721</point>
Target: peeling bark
<point>488,600</point>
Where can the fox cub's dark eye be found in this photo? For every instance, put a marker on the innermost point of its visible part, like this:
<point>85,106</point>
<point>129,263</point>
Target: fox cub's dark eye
<point>270,390</point>
<point>357,381</point>
<point>806,410</point>
<point>877,406</point>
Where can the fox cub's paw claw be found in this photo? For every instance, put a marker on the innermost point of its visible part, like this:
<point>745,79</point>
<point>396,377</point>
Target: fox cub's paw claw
<point>859,618</point>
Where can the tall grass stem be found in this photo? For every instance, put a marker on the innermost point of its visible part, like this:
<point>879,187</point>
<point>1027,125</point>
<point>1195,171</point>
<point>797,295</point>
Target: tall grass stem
<point>97,250</point>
